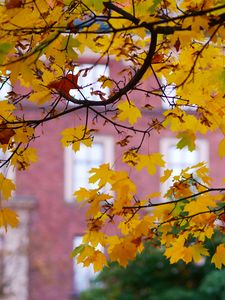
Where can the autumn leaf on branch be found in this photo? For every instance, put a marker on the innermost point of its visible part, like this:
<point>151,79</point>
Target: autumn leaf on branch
<point>8,218</point>
<point>65,84</point>
<point>76,136</point>
<point>128,111</point>
<point>14,3</point>
<point>5,135</point>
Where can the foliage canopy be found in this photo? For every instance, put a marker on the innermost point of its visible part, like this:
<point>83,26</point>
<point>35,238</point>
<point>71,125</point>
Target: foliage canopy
<point>150,276</point>
<point>181,42</point>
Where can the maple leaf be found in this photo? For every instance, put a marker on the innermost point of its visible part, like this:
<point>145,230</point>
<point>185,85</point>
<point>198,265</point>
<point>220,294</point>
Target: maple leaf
<point>5,135</point>
<point>76,136</point>
<point>4,50</point>
<point>187,139</point>
<point>128,111</point>
<point>13,3</point>
<point>24,157</point>
<point>219,256</point>
<point>65,84</point>
<point>89,255</point>
<point>194,252</point>
<point>221,148</point>
<point>77,250</point>
<point>150,162</point>
<point>123,251</point>
<point>8,218</point>
<point>6,187</point>
<point>166,175</point>
<point>102,174</point>
<point>202,203</point>
<point>176,251</point>
<point>40,97</point>
<point>94,204</point>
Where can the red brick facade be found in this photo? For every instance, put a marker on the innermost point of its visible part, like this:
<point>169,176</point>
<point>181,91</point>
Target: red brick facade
<point>53,222</point>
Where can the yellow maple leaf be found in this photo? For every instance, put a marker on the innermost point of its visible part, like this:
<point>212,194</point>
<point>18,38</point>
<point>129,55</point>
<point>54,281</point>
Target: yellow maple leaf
<point>176,251</point>
<point>6,110</point>
<point>88,255</point>
<point>24,157</point>
<point>8,218</point>
<point>99,261</point>
<point>76,136</point>
<point>124,188</point>
<point>126,227</point>
<point>40,97</point>
<point>221,148</point>
<point>123,251</point>
<point>94,204</point>
<point>6,187</point>
<point>166,175</point>
<point>194,252</point>
<point>23,134</point>
<point>187,138</point>
<point>219,257</point>
<point>128,111</point>
<point>102,174</point>
<point>150,162</point>
<point>202,203</point>
<point>95,238</point>
<point>84,194</point>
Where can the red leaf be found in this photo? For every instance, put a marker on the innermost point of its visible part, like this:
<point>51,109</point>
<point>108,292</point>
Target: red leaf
<point>65,84</point>
<point>13,3</point>
<point>177,45</point>
<point>5,135</point>
<point>157,58</point>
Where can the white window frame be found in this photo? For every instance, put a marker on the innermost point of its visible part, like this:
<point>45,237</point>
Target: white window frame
<point>108,145</point>
<point>202,147</point>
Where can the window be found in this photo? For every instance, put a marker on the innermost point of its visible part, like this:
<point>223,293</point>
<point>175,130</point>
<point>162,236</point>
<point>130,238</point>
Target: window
<point>82,275</point>
<point>14,261</point>
<point>178,159</point>
<point>88,80</point>
<point>7,170</point>
<point>78,164</point>
<point>5,87</point>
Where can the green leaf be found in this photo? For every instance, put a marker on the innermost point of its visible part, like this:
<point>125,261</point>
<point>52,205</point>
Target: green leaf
<point>187,138</point>
<point>77,250</point>
<point>4,50</point>
<point>154,5</point>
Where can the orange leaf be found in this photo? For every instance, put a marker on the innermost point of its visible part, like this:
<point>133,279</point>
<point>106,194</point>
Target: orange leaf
<point>219,256</point>
<point>157,58</point>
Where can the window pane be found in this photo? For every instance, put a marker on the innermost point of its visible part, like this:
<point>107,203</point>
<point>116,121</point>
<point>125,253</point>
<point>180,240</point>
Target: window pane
<point>82,153</point>
<point>78,164</point>
<point>5,88</point>
<point>180,159</point>
<point>85,159</point>
<point>96,153</point>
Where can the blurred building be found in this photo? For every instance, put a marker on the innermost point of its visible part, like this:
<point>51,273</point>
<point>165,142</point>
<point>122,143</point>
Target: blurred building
<point>35,258</point>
